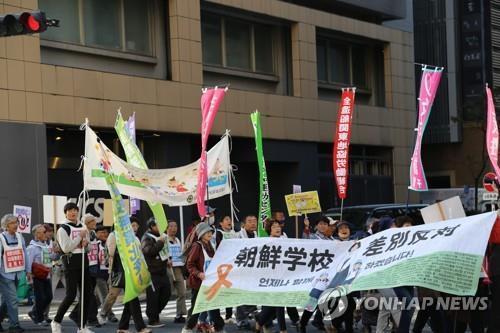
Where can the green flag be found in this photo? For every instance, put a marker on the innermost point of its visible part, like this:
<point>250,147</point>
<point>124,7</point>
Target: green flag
<point>135,158</point>
<point>135,269</point>
<point>264,200</point>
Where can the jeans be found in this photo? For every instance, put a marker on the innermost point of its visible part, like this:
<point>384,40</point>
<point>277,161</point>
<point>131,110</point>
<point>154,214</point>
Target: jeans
<point>132,309</point>
<point>179,285</point>
<point>158,298</point>
<point>8,290</point>
<point>43,297</point>
<point>384,315</point>
<point>193,318</point>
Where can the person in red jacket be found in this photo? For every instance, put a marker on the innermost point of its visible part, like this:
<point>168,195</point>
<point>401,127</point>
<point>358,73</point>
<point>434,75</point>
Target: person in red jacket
<point>200,255</point>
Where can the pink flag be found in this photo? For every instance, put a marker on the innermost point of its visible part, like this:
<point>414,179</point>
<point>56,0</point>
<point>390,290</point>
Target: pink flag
<point>210,102</point>
<point>492,132</point>
<point>428,87</point>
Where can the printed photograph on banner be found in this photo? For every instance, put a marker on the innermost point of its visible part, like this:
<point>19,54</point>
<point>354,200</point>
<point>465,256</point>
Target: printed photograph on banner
<point>23,214</point>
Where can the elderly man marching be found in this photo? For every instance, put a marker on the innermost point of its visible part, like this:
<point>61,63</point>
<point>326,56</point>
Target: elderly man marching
<point>14,263</point>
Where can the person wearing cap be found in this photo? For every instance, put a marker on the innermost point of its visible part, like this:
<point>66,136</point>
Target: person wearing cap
<point>12,242</point>
<point>322,226</point>
<point>344,230</point>
<point>200,256</point>
<point>154,245</point>
<point>73,239</point>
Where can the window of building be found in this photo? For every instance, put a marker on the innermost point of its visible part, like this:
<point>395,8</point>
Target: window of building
<point>237,44</point>
<point>345,62</point>
<point>118,25</point>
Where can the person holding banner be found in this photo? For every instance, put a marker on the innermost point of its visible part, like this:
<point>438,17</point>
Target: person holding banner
<point>176,273</point>
<point>13,265</point>
<point>155,248</point>
<point>73,238</point>
<point>40,261</point>
<point>200,255</point>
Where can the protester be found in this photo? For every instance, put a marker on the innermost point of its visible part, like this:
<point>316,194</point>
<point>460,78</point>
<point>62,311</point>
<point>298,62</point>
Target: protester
<point>40,261</point>
<point>90,222</point>
<point>56,265</point>
<point>155,248</point>
<point>273,229</point>
<point>322,228</point>
<point>200,255</point>
<point>114,289</point>
<point>344,231</point>
<point>73,239</point>
<point>101,272</point>
<point>404,221</point>
<point>248,230</point>
<point>279,215</point>
<point>494,275</point>
<point>12,245</point>
<point>176,275</point>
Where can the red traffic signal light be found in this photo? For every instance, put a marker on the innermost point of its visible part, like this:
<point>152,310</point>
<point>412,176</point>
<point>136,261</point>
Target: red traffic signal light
<point>24,23</point>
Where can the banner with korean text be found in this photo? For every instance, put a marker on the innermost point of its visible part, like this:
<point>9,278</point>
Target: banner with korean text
<point>210,102</point>
<point>428,87</point>
<point>174,187</point>
<point>342,140</point>
<point>492,132</point>
<point>289,272</point>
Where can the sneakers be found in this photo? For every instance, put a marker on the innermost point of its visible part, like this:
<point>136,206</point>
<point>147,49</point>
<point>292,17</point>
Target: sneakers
<point>179,320</point>
<point>155,324</point>
<point>112,318</point>
<point>94,323</point>
<point>48,321</point>
<point>85,330</point>
<point>55,327</point>
<point>186,330</point>
<point>101,320</point>
<point>32,317</point>
<point>145,330</point>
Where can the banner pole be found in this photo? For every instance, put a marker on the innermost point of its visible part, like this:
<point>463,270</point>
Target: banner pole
<point>296,227</point>
<point>181,218</point>
<point>341,208</point>
<point>230,175</point>
<point>82,292</point>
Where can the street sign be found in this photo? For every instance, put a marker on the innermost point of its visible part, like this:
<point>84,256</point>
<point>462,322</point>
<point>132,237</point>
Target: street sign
<point>490,182</point>
<point>490,196</point>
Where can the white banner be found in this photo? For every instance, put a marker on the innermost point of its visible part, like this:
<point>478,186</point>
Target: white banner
<point>445,256</point>
<point>173,187</point>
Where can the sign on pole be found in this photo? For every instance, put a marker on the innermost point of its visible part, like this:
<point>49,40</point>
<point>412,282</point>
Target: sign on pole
<point>445,210</point>
<point>53,209</point>
<point>108,219</point>
<point>23,214</point>
<point>302,203</point>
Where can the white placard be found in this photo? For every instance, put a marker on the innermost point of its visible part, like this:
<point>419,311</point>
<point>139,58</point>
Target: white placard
<point>445,210</point>
<point>53,209</point>
<point>23,214</point>
<point>297,189</point>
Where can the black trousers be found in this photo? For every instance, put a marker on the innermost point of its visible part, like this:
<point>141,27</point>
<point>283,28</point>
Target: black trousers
<point>132,309</point>
<point>193,318</point>
<point>43,297</point>
<point>158,298</point>
<point>293,314</point>
<point>436,316</point>
<point>348,317</point>
<point>307,315</point>
<point>74,283</point>
<point>268,313</point>
<point>92,305</point>
<point>494,322</point>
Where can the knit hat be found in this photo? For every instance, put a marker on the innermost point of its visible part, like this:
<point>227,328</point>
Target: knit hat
<point>385,223</point>
<point>202,229</point>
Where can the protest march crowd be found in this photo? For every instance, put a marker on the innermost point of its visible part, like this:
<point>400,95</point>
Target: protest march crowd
<point>84,249</point>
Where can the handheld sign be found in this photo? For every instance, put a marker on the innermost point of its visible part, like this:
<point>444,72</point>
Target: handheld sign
<point>302,203</point>
<point>23,214</point>
<point>445,210</point>
<point>108,220</point>
<point>53,209</point>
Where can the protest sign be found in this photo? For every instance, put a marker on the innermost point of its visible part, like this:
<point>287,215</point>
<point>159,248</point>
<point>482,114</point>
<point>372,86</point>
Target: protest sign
<point>174,187</point>
<point>302,203</point>
<point>126,134</point>
<point>268,271</point>
<point>296,188</point>
<point>53,209</point>
<point>23,214</point>
<point>445,256</point>
<point>108,219</point>
<point>444,210</point>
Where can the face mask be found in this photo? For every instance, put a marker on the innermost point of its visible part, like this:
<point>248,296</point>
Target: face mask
<point>211,220</point>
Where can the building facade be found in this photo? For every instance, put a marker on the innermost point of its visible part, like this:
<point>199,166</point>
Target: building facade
<point>287,59</point>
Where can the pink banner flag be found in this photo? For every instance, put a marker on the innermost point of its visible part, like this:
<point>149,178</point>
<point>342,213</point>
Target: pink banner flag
<point>492,132</point>
<point>210,102</point>
<point>428,87</point>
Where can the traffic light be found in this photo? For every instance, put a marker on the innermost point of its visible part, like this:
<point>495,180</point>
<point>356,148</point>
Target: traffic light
<point>25,23</point>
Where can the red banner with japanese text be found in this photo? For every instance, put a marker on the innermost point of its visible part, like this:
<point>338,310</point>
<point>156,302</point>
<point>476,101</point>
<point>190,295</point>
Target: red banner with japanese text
<point>342,140</point>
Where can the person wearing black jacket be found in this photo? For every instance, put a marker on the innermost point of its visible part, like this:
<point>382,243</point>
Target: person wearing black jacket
<point>155,248</point>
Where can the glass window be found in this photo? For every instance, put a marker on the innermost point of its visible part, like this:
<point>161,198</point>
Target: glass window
<point>321,60</point>
<point>102,23</point>
<point>122,25</point>
<point>263,48</point>
<point>359,66</point>
<point>339,60</point>
<point>238,44</point>
<point>137,29</point>
<point>211,40</point>
<point>67,12</point>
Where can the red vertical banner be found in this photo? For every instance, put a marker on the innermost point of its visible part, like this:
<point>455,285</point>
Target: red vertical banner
<point>342,140</point>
